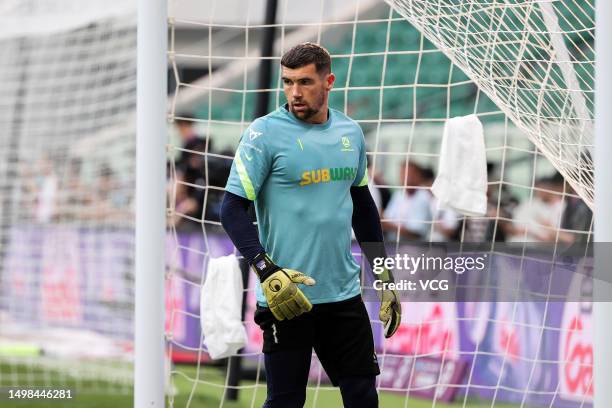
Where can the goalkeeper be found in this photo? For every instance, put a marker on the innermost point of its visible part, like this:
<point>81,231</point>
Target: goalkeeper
<point>304,166</point>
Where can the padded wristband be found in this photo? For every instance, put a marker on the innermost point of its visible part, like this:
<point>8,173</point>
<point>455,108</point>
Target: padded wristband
<point>263,266</point>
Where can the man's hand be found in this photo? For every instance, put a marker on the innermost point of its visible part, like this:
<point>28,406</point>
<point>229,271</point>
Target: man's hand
<point>285,299</point>
<point>390,312</point>
<point>279,286</point>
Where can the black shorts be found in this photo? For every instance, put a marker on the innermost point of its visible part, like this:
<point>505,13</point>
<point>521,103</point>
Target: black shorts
<point>339,332</point>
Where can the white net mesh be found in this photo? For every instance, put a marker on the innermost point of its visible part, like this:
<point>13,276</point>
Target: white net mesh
<point>67,149</point>
<point>403,68</point>
<point>534,59</point>
<point>525,68</point>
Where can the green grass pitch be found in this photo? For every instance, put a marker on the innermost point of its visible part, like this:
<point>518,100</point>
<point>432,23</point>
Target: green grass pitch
<point>208,392</point>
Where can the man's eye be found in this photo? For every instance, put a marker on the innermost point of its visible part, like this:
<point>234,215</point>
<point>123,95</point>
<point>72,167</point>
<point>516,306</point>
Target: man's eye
<point>286,82</point>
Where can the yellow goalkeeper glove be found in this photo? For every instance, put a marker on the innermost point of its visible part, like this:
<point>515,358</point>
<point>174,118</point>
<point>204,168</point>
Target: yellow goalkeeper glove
<point>285,299</point>
<point>390,313</point>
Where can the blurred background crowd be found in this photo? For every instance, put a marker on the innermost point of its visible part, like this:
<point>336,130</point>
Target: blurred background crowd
<point>198,172</point>
<point>409,211</point>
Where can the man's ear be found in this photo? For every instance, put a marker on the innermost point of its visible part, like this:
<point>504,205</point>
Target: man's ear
<point>329,82</point>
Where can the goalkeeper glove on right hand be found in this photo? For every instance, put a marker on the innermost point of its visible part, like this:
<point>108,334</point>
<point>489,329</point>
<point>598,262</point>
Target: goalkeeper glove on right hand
<point>285,299</point>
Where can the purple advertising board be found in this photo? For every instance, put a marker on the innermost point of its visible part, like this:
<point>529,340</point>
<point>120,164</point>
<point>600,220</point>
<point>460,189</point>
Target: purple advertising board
<point>530,352</point>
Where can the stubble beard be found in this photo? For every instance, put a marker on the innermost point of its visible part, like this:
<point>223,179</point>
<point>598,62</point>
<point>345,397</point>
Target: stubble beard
<point>310,110</point>
<point>305,114</point>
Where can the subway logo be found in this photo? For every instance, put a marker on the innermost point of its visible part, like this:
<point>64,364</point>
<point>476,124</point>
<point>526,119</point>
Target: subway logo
<point>328,175</point>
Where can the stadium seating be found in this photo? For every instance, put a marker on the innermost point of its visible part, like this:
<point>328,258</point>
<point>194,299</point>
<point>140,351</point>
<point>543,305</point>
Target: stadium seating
<point>402,61</point>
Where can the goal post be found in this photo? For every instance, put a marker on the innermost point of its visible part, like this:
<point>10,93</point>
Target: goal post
<point>603,197</point>
<point>151,141</point>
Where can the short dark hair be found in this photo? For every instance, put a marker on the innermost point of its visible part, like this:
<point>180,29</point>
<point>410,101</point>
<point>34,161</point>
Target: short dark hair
<point>306,54</point>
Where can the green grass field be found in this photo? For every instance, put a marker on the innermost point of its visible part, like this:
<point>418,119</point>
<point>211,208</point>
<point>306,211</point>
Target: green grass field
<point>208,392</point>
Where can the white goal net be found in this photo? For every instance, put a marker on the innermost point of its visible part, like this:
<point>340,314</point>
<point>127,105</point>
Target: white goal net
<point>67,151</point>
<point>524,68</point>
<point>403,68</point>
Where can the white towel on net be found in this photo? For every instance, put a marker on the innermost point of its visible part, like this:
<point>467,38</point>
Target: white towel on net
<point>461,183</point>
<point>221,308</point>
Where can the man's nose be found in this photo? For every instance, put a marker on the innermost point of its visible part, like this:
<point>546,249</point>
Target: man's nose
<point>296,92</point>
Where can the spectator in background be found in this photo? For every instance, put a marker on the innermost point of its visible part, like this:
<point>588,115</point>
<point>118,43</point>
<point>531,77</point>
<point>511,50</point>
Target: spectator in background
<point>184,125</point>
<point>409,211</point>
<point>193,171</point>
<point>576,221</point>
<point>76,199</point>
<point>47,192</point>
<point>112,202</point>
<point>538,218</point>
<point>28,191</point>
<point>576,217</point>
<point>208,172</point>
<point>493,226</point>
<point>186,192</point>
<point>219,166</point>
<point>38,190</point>
<point>185,205</point>
<point>189,138</point>
<point>445,221</point>
<point>191,165</point>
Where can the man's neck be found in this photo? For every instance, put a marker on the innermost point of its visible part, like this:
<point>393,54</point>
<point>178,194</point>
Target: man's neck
<point>319,118</point>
